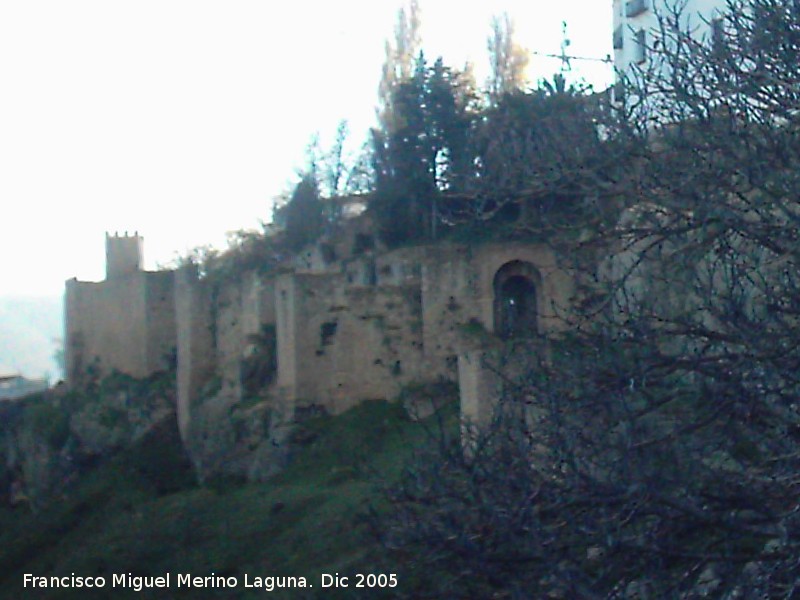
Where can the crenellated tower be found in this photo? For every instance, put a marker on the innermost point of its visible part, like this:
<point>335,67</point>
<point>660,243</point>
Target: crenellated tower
<point>123,254</point>
<point>125,323</point>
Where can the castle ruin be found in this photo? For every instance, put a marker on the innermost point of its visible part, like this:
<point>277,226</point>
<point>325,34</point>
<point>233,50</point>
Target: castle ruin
<point>124,323</point>
<point>338,324</point>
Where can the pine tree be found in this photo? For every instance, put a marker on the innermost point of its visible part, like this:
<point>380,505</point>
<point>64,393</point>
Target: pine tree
<point>304,214</point>
<point>425,151</point>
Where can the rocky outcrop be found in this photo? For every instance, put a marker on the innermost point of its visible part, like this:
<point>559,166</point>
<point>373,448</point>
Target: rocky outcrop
<point>229,438</point>
<point>48,439</point>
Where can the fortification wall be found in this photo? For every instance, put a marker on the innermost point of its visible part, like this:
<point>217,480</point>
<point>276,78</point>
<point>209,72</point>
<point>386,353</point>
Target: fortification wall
<point>401,267</point>
<point>339,343</point>
<point>159,313</point>
<point>377,348</point>
<point>258,303</point>
<point>229,339</point>
<point>286,325</point>
<point>458,290</point>
<point>458,287</point>
<point>75,306</point>
<point>218,325</point>
<point>400,317</point>
<point>195,345</point>
<point>360,327</point>
<point>555,285</point>
<point>242,309</point>
<point>479,387</point>
<point>106,326</point>
<point>449,293</point>
<point>459,307</point>
<point>125,324</point>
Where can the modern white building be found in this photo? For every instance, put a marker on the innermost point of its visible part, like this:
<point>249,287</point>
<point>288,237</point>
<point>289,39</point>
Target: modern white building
<point>636,25</point>
<point>13,385</point>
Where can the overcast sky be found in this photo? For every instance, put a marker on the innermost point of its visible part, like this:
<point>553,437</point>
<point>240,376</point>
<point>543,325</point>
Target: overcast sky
<point>183,119</point>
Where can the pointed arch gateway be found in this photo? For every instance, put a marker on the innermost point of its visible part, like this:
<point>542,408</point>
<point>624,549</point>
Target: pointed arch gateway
<point>515,300</point>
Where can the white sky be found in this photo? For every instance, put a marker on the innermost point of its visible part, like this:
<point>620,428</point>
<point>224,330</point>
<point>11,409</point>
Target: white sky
<point>182,119</point>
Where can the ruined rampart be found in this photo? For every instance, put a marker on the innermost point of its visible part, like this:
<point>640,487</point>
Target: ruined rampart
<point>256,352</point>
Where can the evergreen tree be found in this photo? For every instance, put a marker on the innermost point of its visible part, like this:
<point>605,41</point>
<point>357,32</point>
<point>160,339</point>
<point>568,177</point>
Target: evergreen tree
<point>532,152</point>
<point>424,153</point>
<point>304,214</point>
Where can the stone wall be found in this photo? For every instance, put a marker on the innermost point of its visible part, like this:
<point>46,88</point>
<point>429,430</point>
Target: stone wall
<point>362,326</point>
<point>241,309</point>
<point>195,340</point>
<point>224,430</point>
<point>124,324</point>
<point>479,387</point>
<point>161,340</point>
<point>400,317</point>
<point>449,293</point>
<point>499,370</point>
<point>458,296</point>
<point>105,327</point>
<point>339,343</point>
<point>459,312</point>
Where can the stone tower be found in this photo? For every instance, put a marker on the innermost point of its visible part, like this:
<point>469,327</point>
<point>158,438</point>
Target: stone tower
<point>123,254</point>
<point>125,323</point>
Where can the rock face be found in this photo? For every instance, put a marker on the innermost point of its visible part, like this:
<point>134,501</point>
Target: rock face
<point>229,438</point>
<point>46,440</point>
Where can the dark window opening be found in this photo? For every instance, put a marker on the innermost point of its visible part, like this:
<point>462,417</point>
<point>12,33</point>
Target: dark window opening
<point>515,301</point>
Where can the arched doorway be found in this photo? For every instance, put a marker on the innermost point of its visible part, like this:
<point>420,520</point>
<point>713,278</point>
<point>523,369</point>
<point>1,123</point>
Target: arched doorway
<point>515,305</point>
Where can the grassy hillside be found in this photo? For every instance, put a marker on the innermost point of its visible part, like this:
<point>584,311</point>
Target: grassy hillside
<point>140,513</point>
